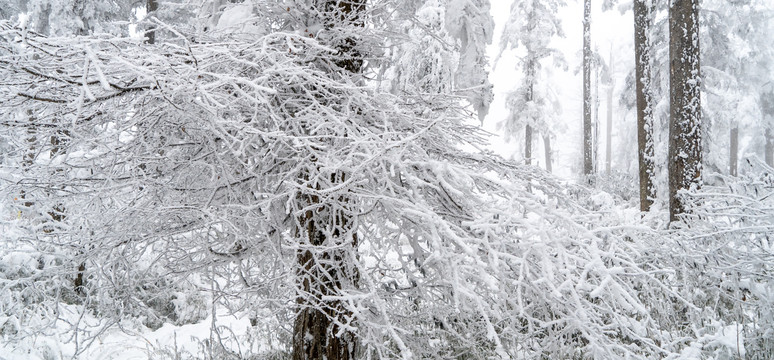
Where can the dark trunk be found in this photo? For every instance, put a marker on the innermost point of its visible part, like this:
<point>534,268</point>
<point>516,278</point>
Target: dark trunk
<point>645,149</point>
<point>327,238</point>
<point>685,107</point>
<point>29,156</point>
<point>150,34</point>
<point>324,270</point>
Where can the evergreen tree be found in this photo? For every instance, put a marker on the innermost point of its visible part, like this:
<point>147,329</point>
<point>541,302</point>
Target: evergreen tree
<point>532,25</point>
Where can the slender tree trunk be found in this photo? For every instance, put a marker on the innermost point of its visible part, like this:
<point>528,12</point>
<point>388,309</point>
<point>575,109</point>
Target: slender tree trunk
<point>41,27</point>
<point>150,34</point>
<point>595,121</point>
<point>685,155</point>
<point>29,156</point>
<point>588,165</point>
<point>767,108</point>
<point>528,145</point>
<point>769,148</point>
<point>529,74</point>
<point>609,131</point>
<point>547,147</point>
<point>645,123</point>
<point>328,239</point>
<point>58,142</point>
<point>733,156</point>
<point>529,97</point>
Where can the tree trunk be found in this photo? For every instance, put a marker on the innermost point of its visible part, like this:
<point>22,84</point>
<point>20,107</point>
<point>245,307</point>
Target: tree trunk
<point>685,114</point>
<point>327,238</point>
<point>733,158</point>
<point>324,270</point>
<point>547,147</point>
<point>767,108</point>
<point>645,149</point>
<point>528,145</point>
<point>150,34</point>
<point>595,120</point>
<point>769,148</point>
<point>41,27</point>
<point>588,165</point>
<point>609,130</point>
<point>529,96</point>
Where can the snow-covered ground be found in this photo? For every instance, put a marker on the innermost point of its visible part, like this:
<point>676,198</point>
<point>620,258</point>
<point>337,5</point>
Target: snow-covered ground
<point>130,341</point>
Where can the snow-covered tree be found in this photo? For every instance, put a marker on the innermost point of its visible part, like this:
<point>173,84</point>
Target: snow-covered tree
<point>642,58</point>
<point>443,50</point>
<point>532,25</point>
<point>685,154</point>
<point>304,165</point>
<point>738,54</point>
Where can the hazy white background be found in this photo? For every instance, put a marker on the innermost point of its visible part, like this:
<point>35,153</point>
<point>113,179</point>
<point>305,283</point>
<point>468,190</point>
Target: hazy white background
<point>608,29</point>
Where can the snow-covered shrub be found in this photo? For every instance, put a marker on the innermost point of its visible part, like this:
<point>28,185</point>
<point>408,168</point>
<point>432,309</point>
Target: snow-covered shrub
<point>619,184</point>
<point>723,263</point>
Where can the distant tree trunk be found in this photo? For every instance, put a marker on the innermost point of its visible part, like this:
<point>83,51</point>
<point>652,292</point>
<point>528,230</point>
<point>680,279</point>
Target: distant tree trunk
<point>767,108</point>
<point>529,74</point>
<point>588,165</point>
<point>528,145</point>
<point>41,27</point>
<point>609,131</point>
<point>150,34</point>
<point>547,147</point>
<point>733,158</point>
<point>769,148</point>
<point>529,97</point>
<point>645,123</point>
<point>327,238</point>
<point>58,141</point>
<point>595,121</point>
<point>685,155</point>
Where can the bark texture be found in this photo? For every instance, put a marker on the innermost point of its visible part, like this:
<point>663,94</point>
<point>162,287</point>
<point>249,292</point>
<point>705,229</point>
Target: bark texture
<point>685,155</point>
<point>324,270</point>
<point>645,149</point>
<point>327,235</point>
